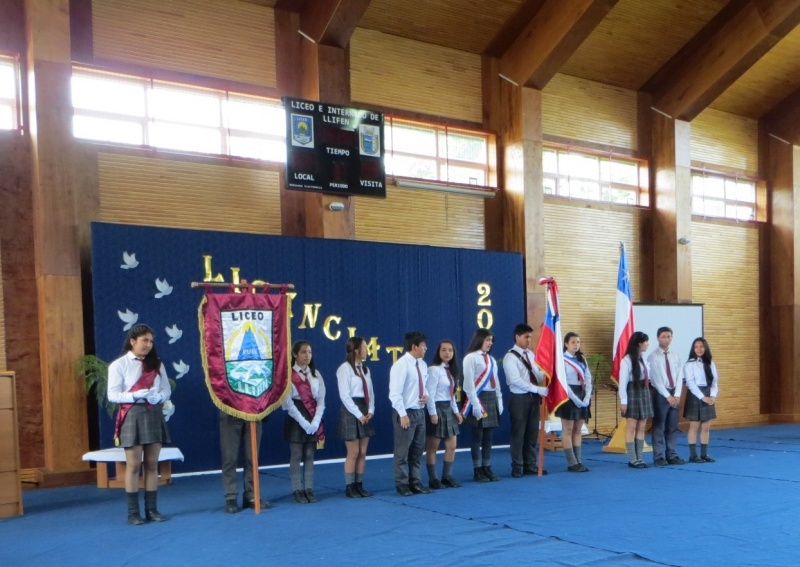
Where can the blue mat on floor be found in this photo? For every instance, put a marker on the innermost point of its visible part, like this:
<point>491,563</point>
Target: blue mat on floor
<point>741,510</point>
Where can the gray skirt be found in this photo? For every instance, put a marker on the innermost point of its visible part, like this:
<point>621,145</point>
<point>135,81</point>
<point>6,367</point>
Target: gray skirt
<point>640,402</point>
<point>492,418</point>
<point>142,426</point>
<point>447,426</point>
<point>349,428</point>
<point>568,410</point>
<point>698,410</point>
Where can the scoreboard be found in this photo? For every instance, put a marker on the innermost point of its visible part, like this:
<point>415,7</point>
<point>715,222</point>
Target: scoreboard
<point>334,149</point>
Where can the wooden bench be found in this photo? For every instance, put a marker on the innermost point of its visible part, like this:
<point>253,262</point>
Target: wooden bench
<point>116,455</point>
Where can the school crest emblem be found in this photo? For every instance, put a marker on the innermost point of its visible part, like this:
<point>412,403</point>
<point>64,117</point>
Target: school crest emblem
<point>302,130</point>
<point>369,137</point>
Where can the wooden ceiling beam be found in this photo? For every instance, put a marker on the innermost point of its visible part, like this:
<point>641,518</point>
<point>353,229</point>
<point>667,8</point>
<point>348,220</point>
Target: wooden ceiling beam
<point>327,22</point>
<point>737,37</point>
<point>783,120</point>
<point>554,30</point>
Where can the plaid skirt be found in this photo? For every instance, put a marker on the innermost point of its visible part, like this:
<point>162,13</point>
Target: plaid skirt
<point>640,402</point>
<point>447,426</point>
<point>143,426</point>
<point>698,410</point>
<point>292,432</point>
<point>349,428</point>
<point>568,410</point>
<point>492,418</point>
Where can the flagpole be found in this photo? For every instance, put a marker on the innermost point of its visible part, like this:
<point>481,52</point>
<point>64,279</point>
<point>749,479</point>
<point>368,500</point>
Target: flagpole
<point>542,415</point>
<point>254,460</point>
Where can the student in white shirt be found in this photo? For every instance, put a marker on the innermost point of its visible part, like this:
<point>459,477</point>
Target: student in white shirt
<point>138,382</point>
<point>702,382</point>
<point>666,383</point>
<point>575,410</point>
<point>634,397</point>
<point>443,415</point>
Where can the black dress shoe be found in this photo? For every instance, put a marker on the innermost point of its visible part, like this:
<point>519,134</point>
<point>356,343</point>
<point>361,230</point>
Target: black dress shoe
<point>351,492</point>
<point>251,503</point>
<point>310,496</point>
<point>490,475</point>
<point>480,475</point>
<point>577,467</point>
<point>300,497</point>
<point>362,491</point>
<point>404,490</point>
<point>637,465</point>
<point>231,507</point>
<point>533,472</point>
<point>676,461</point>
<point>418,488</point>
<point>450,482</point>
<point>708,459</point>
<point>516,472</point>
<point>154,516</point>
<point>435,483</point>
<point>135,519</point>
<point>697,460</point>
<point>662,462</point>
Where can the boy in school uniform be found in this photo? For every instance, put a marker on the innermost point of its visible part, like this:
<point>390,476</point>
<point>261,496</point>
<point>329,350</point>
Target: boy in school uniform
<point>666,383</point>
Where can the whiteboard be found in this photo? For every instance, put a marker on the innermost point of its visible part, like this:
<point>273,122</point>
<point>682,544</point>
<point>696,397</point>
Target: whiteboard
<point>685,320</point>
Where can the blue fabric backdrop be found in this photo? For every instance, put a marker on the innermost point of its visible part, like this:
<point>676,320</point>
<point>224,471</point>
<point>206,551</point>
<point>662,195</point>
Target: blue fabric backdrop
<point>380,290</point>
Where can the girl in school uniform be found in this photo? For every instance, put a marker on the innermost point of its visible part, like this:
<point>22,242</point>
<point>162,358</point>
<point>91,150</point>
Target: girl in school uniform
<point>484,403</point>
<point>138,382</point>
<point>703,384</point>
<point>575,411</point>
<point>443,415</point>
<point>634,397</point>
<point>303,428</point>
<point>356,425</point>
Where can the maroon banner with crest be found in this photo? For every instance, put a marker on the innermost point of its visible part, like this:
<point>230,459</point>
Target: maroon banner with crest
<point>244,342</point>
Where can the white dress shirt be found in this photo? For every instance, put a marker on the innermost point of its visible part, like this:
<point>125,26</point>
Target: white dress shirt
<point>658,372</point>
<point>474,365</point>
<point>626,376</point>
<point>695,377</point>
<point>350,387</point>
<point>517,375</point>
<point>125,372</point>
<point>317,392</point>
<point>570,363</point>
<point>438,386</point>
<point>404,382</point>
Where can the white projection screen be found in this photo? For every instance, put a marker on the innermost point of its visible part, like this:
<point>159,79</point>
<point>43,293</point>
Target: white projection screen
<point>685,320</point>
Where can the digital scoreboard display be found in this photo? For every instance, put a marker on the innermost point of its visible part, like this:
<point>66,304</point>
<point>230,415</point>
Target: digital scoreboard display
<point>334,149</point>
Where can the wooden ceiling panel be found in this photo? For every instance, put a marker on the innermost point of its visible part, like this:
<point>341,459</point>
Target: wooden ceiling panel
<point>466,25</point>
<point>637,38</point>
<point>766,83</point>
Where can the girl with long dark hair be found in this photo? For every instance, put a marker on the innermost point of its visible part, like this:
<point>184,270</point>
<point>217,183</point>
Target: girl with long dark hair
<point>575,411</point>
<point>703,384</point>
<point>443,414</point>
<point>635,401</point>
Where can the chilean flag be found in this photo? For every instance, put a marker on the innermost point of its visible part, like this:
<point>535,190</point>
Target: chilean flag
<point>549,355</point>
<point>623,322</point>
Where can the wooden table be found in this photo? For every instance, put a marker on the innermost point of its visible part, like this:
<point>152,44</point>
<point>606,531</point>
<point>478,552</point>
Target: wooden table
<point>116,455</point>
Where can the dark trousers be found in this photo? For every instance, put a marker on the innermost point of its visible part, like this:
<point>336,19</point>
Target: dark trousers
<point>665,427</point>
<point>233,434</point>
<point>524,410</point>
<point>408,446</point>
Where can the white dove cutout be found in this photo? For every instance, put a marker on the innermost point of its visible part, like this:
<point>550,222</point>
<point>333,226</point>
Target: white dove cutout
<point>129,318</point>
<point>168,408</point>
<point>174,333</point>
<point>181,368</point>
<point>163,288</point>
<point>130,261</point>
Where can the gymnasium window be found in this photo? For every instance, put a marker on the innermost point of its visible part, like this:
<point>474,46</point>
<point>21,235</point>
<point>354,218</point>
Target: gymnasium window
<point>718,195</point>
<point>578,174</point>
<point>436,153</point>
<point>133,110</point>
<point>9,93</point>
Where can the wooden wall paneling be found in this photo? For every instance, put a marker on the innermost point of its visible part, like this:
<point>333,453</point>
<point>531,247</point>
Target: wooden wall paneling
<point>3,357</point>
<point>725,279</point>
<point>420,77</point>
<point>582,242</point>
<point>411,216</point>
<point>720,138</point>
<point>183,194</point>
<point>585,110</point>
<point>644,143</point>
<point>12,26</point>
<point>226,40</point>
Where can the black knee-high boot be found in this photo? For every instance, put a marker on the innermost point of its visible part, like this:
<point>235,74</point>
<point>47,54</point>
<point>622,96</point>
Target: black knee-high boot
<point>134,517</point>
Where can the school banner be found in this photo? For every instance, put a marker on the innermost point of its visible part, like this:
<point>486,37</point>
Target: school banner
<point>245,344</point>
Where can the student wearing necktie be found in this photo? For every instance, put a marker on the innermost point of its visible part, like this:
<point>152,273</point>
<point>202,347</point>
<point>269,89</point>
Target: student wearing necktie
<point>702,381</point>
<point>409,396</point>
<point>355,425</point>
<point>635,401</point>
<point>575,411</point>
<point>525,381</point>
<point>484,404</point>
<point>138,382</point>
<point>303,428</point>
<point>443,415</point>
<point>666,383</point>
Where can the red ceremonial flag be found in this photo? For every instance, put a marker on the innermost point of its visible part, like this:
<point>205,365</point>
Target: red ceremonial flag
<point>549,354</point>
<point>623,321</point>
<point>244,343</point>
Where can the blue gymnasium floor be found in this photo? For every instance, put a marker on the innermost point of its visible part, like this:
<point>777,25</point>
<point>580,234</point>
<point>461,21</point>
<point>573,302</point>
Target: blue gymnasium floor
<point>741,510</point>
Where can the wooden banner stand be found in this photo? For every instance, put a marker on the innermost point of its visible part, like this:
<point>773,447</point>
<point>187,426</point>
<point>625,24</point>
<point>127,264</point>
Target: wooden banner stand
<point>256,480</point>
<point>617,442</point>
